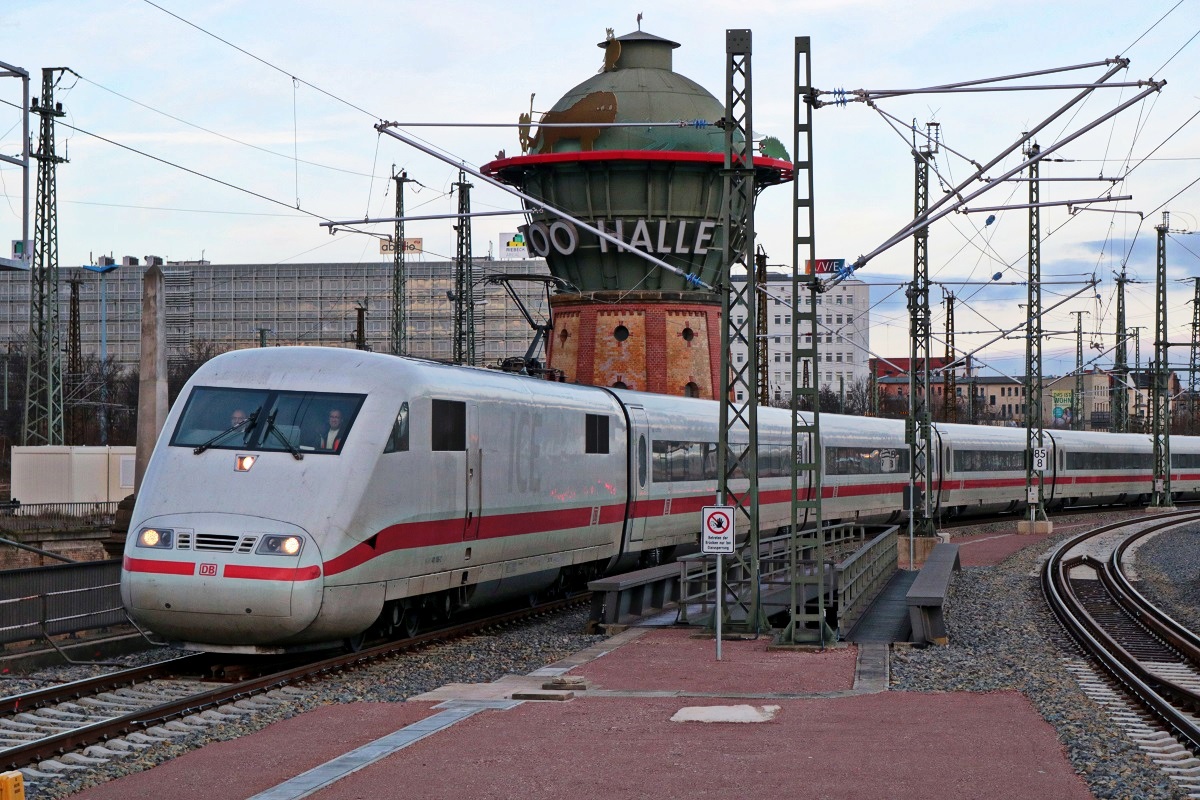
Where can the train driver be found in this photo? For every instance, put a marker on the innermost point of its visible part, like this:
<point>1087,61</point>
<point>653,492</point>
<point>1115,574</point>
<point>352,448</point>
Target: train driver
<point>332,438</point>
<point>237,418</point>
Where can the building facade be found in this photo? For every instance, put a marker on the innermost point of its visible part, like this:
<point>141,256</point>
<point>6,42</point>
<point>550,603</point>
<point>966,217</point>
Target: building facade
<point>843,325</point>
<point>233,306</point>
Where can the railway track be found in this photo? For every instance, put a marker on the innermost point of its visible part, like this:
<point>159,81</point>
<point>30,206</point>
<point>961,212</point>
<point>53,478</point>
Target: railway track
<point>1140,665</point>
<point>72,726</point>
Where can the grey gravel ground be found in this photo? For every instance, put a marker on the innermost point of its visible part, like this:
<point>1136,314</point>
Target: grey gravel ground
<point>481,658</point>
<point>1168,566</point>
<point>1003,637</point>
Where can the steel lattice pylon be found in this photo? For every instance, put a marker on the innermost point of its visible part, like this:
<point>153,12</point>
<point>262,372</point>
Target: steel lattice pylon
<point>949,378</point>
<point>1120,390</point>
<point>1077,397</point>
<point>399,275</point>
<point>1194,360</point>
<point>1159,371</point>
<point>464,284</point>
<point>43,377</point>
<point>760,277</point>
<point>1034,435</point>
<point>737,446</point>
<point>918,426</point>
<point>807,546</point>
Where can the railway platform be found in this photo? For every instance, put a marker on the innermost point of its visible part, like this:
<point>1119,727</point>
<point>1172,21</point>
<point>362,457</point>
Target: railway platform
<point>650,712</point>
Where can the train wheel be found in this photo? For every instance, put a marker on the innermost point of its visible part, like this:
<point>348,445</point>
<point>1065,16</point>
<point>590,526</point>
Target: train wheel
<point>355,643</point>
<point>410,620</point>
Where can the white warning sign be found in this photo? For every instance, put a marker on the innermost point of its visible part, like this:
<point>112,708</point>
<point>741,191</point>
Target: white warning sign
<point>716,530</point>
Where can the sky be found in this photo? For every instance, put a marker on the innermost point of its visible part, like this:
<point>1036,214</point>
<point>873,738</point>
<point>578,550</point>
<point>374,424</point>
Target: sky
<point>230,130</point>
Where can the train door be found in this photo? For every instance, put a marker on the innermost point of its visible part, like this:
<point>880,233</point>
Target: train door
<point>455,458</point>
<point>473,476</point>
<point>1050,476</point>
<point>937,475</point>
<point>639,474</point>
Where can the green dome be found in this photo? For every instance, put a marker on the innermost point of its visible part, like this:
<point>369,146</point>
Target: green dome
<point>645,89</point>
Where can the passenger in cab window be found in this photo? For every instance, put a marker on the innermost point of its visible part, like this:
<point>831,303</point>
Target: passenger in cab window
<point>332,438</point>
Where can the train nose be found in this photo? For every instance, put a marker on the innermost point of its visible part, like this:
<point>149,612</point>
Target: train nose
<point>222,579</point>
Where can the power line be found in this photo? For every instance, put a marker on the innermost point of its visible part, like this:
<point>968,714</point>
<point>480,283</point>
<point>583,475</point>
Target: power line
<point>263,61</point>
<point>233,139</point>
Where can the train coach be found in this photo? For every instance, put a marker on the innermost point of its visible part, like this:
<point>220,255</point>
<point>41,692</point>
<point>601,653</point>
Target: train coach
<point>299,496</point>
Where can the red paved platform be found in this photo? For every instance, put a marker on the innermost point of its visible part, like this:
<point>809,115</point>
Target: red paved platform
<point>616,740</point>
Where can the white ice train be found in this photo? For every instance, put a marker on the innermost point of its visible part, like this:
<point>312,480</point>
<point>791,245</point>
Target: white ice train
<point>445,487</point>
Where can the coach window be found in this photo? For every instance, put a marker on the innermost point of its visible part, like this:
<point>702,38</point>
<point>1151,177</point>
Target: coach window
<point>273,421</point>
<point>595,436</point>
<point>448,425</point>
<point>213,411</point>
<point>398,439</point>
<point>642,457</point>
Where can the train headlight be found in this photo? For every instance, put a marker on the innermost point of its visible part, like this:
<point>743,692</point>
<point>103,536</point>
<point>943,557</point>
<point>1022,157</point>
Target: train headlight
<point>244,462</point>
<point>161,538</point>
<point>273,545</point>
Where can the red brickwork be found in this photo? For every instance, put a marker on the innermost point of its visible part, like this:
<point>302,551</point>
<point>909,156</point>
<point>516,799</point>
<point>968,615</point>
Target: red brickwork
<point>617,359</point>
<point>672,344</point>
<point>688,355</point>
<point>562,347</point>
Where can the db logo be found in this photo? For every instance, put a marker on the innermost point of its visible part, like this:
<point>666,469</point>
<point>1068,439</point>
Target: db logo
<point>208,569</point>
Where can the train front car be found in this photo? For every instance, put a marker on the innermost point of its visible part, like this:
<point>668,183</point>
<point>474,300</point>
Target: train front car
<point>257,470</point>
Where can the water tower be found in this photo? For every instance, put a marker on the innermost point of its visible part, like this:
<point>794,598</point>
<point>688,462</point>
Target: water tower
<point>627,322</point>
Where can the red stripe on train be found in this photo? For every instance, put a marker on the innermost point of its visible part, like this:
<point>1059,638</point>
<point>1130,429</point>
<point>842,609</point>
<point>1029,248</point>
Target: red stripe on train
<point>407,535</point>
<point>271,573</point>
<point>159,567</point>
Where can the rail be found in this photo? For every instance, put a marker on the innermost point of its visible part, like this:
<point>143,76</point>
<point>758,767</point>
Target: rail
<point>1142,685</point>
<point>64,598</point>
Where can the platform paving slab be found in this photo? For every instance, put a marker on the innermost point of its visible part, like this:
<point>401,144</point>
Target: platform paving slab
<point>898,745</point>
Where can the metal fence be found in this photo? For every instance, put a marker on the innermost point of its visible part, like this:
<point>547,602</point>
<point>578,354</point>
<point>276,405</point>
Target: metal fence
<point>856,570</point>
<point>27,517</point>
<point>45,601</point>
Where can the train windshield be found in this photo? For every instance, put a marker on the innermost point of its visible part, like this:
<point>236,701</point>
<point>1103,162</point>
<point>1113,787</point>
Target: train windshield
<point>257,419</point>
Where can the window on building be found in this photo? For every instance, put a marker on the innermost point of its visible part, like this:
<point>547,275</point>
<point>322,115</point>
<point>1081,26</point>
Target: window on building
<point>776,319</point>
<point>839,299</point>
<point>838,359</point>
<point>849,299</point>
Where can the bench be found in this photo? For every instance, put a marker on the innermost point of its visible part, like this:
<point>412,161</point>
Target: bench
<point>621,599</point>
<point>927,595</point>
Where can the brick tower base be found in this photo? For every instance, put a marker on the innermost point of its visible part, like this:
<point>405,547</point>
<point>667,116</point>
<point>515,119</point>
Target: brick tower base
<point>664,342</point>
